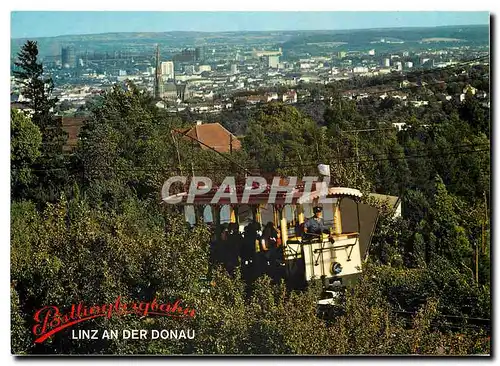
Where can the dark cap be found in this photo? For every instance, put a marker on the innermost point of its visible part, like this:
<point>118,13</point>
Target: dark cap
<point>317,209</point>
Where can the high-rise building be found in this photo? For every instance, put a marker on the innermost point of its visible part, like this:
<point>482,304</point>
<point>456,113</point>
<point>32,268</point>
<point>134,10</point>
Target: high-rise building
<point>398,65</point>
<point>199,53</point>
<point>386,62</point>
<point>68,57</point>
<point>186,55</point>
<point>167,70</point>
<point>273,61</point>
<point>234,69</point>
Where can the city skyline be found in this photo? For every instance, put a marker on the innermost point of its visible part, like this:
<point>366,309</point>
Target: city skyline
<point>37,24</point>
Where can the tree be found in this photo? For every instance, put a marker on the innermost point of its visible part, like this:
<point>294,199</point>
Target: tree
<point>51,166</point>
<point>36,88</point>
<point>281,137</point>
<point>26,141</point>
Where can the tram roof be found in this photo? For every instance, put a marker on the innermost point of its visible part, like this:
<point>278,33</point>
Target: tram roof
<point>298,196</point>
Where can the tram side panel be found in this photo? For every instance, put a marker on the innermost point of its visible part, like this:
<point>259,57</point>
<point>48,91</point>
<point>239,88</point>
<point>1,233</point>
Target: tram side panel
<point>339,259</point>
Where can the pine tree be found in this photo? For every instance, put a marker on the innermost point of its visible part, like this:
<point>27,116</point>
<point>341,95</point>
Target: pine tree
<point>36,88</point>
<point>51,165</point>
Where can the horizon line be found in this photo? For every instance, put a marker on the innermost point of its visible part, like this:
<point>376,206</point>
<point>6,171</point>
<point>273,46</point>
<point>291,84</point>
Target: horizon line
<point>248,31</point>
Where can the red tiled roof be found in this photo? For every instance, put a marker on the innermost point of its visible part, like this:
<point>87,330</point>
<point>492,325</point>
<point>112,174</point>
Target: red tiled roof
<point>213,135</point>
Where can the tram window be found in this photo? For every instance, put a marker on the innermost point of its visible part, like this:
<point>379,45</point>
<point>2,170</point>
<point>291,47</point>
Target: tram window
<point>189,215</point>
<point>207,214</point>
<point>225,214</point>
<point>266,213</point>
<point>328,215</point>
<point>289,213</point>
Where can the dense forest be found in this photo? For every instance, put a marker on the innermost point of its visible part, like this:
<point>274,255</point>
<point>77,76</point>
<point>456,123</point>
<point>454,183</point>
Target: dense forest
<point>88,227</point>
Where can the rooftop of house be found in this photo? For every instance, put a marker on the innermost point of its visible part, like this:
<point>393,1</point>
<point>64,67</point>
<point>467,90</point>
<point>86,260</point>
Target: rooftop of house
<point>391,201</point>
<point>211,136</point>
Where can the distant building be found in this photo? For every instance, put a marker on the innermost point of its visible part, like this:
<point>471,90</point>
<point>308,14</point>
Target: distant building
<point>290,96</point>
<point>260,53</point>
<point>167,70</point>
<point>341,54</point>
<point>203,68</point>
<point>199,53</point>
<point>419,103</point>
<point>271,96</point>
<point>234,69</point>
<point>371,52</point>
<point>186,55</point>
<point>408,65</point>
<point>255,99</point>
<point>183,92</point>
<point>360,70</point>
<point>386,62</point>
<point>169,91</point>
<point>273,61</point>
<point>398,65</point>
<point>68,57</point>
<point>189,69</point>
<point>424,60</point>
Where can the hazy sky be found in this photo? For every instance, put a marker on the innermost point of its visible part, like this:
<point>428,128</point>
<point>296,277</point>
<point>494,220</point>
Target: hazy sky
<point>51,23</point>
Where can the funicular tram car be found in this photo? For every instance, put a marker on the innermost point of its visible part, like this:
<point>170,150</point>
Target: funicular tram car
<point>239,231</point>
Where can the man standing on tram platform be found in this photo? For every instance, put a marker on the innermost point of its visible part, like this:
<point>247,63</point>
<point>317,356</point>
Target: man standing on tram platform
<point>315,226</point>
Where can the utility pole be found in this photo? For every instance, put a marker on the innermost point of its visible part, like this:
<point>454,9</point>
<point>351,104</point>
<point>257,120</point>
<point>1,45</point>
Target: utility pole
<point>477,262</point>
<point>176,144</point>
<point>485,221</point>
<point>357,155</point>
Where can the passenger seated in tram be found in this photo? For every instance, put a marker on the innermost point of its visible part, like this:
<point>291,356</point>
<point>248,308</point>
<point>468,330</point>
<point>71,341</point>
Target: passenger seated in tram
<point>269,237</point>
<point>224,232</point>
<point>232,247</point>
<point>250,236</point>
<point>251,239</point>
<point>221,245</point>
<point>213,242</point>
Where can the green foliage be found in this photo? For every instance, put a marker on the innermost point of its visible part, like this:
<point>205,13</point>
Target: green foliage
<point>26,141</point>
<point>73,253</point>
<point>280,138</point>
<point>36,88</point>
<point>51,166</point>
<point>90,228</point>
